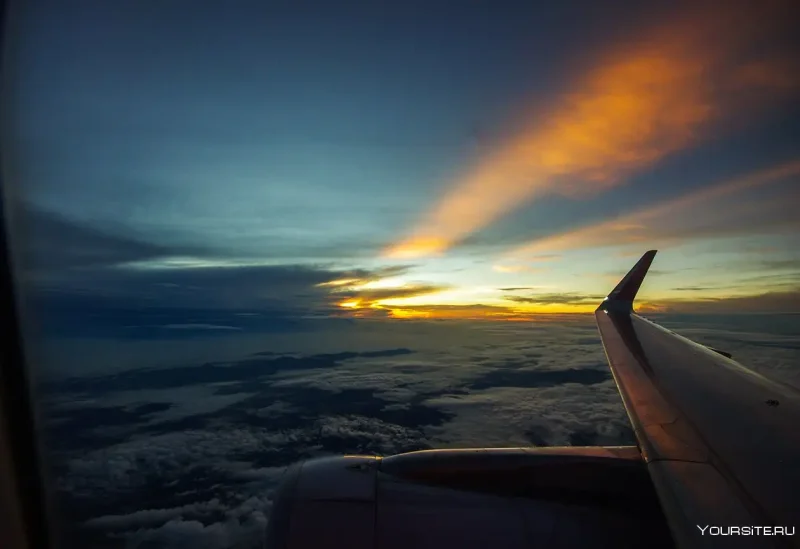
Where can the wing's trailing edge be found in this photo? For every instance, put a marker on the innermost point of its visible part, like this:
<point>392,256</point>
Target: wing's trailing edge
<point>720,441</point>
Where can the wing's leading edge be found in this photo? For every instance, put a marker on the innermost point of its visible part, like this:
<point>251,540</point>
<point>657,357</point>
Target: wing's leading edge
<point>720,441</point>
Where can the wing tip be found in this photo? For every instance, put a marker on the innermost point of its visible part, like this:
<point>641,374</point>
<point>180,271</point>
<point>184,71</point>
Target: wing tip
<point>622,296</point>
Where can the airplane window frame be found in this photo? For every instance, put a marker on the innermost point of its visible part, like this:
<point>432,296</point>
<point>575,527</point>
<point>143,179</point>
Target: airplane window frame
<point>24,504</point>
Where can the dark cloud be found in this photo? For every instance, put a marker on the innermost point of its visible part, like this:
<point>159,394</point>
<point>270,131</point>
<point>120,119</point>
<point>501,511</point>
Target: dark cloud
<point>87,427</point>
<point>371,295</point>
<point>242,372</point>
<point>768,302</point>
<point>539,378</point>
<point>78,314</point>
<point>562,299</point>
<point>781,264</point>
<point>774,279</point>
<point>694,288</point>
<point>538,435</point>
<point>368,354</point>
<point>362,276</point>
<point>47,241</point>
<point>80,281</point>
<point>583,437</point>
<point>85,280</point>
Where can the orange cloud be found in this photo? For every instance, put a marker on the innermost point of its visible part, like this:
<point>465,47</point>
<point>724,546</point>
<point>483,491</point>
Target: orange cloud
<point>673,220</point>
<point>642,102</point>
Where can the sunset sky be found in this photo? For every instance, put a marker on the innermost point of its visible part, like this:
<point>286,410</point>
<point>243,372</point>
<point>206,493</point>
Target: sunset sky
<point>417,161</point>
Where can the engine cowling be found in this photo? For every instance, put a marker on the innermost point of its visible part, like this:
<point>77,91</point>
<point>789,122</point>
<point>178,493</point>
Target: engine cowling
<point>518,497</point>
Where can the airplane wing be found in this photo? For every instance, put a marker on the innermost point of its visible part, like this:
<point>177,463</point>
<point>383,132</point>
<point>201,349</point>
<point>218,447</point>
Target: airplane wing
<point>721,442</point>
<point>719,447</point>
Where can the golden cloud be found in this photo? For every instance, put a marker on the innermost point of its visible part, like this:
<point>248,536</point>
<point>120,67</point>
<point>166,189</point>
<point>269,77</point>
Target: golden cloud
<point>360,296</point>
<point>459,312</point>
<point>646,99</point>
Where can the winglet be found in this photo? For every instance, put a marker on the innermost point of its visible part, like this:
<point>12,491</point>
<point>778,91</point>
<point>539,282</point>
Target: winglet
<point>621,297</point>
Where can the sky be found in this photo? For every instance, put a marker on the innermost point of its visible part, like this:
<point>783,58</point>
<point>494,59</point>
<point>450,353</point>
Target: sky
<point>419,160</point>
<point>248,233</point>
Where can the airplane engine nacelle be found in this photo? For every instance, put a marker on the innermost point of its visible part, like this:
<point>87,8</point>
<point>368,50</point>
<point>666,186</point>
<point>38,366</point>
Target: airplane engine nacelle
<point>518,497</point>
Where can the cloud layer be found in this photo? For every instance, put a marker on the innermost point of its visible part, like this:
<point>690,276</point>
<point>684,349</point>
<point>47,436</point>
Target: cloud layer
<point>163,456</point>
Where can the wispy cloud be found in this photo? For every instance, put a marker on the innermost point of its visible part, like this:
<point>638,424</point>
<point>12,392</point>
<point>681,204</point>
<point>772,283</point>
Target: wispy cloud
<point>517,288</point>
<point>517,269</point>
<point>782,264</point>
<point>767,302</point>
<point>692,215</point>
<point>360,298</point>
<point>695,288</point>
<point>557,299</point>
<point>647,98</point>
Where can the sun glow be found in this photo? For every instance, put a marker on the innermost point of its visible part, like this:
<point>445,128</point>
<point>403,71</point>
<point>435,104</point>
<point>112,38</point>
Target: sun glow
<point>339,283</point>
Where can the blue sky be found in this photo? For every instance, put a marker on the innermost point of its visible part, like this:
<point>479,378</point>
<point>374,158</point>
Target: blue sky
<point>431,157</point>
